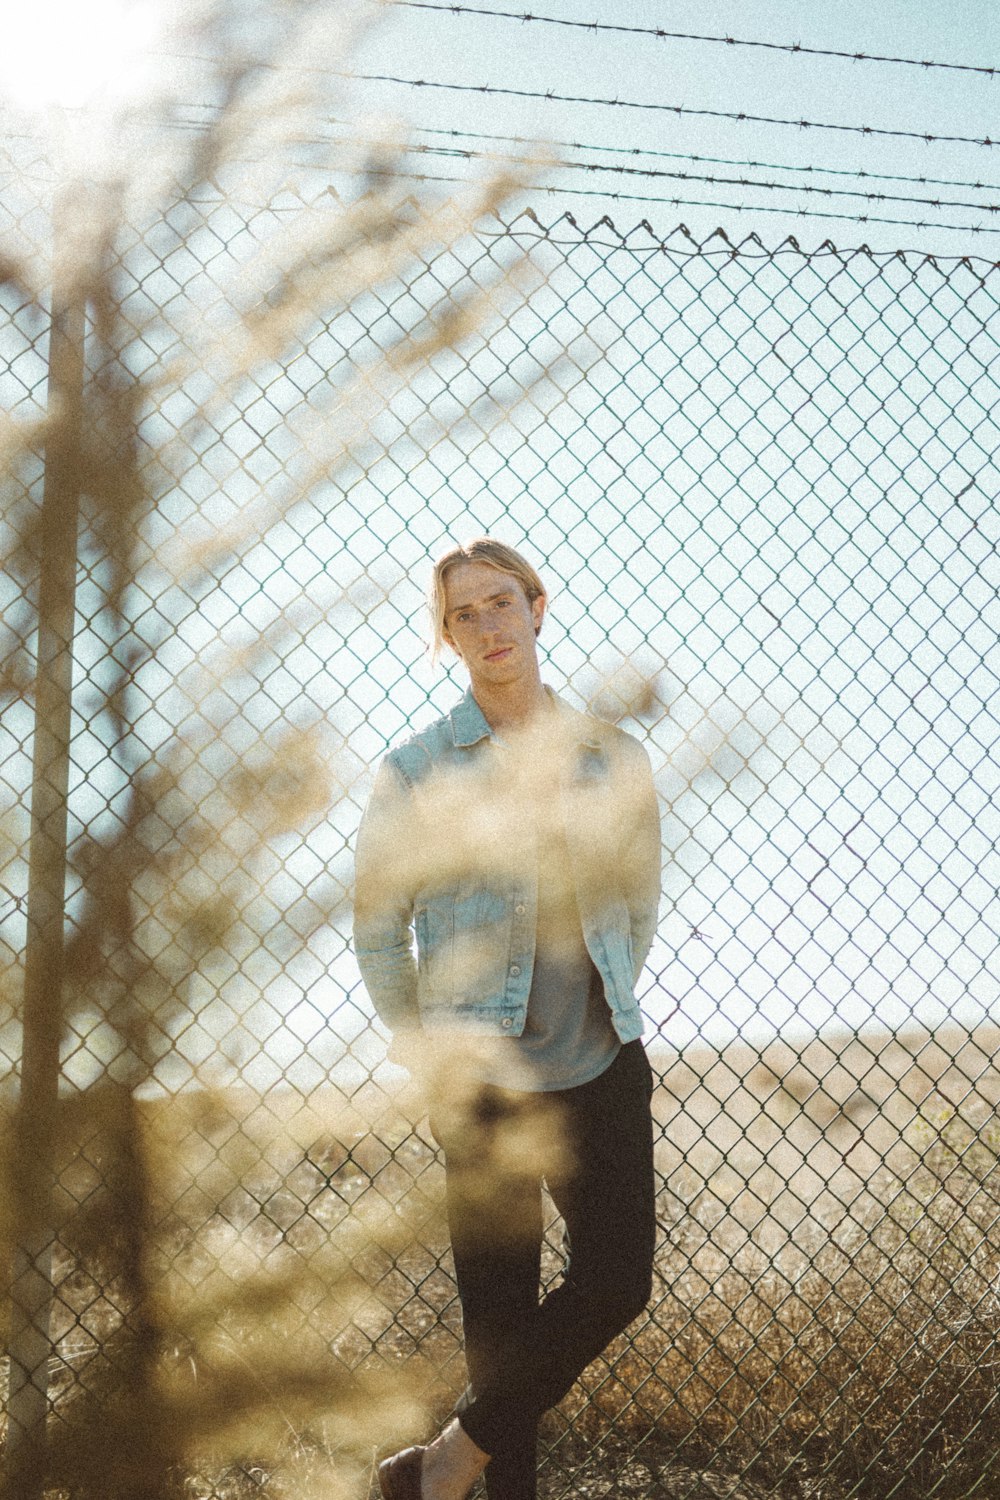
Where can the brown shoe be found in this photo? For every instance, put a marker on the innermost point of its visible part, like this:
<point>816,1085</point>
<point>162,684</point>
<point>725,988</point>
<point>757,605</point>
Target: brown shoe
<point>399,1476</point>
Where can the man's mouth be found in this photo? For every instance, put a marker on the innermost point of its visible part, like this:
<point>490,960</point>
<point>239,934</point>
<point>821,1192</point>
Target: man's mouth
<point>501,651</point>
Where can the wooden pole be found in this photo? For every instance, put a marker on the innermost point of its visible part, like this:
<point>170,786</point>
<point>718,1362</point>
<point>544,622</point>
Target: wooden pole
<point>30,1344</point>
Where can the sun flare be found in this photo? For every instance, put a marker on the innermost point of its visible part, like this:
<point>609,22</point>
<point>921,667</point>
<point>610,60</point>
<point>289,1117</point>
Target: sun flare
<point>67,53</point>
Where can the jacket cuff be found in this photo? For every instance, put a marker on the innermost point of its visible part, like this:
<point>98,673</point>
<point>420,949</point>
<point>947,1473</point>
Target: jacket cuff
<point>404,1047</point>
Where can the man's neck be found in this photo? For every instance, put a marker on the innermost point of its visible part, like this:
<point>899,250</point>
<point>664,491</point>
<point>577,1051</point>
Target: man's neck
<point>511,708</point>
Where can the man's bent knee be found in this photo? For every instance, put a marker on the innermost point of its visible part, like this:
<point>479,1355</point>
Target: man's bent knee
<point>614,1306</point>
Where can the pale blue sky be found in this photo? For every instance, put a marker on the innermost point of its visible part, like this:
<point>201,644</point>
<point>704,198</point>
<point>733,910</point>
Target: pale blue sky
<point>540,57</point>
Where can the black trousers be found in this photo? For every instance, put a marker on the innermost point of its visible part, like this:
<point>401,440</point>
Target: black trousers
<point>593,1148</point>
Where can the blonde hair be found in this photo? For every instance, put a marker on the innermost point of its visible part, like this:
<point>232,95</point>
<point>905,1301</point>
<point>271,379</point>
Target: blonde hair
<point>485,549</point>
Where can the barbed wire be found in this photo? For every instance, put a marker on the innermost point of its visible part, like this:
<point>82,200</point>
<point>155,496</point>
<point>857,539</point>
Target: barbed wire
<point>680,202</point>
<point>693,36</point>
<point>533,143</point>
<point>373,169</point>
<point>740,116</point>
<point>722,161</point>
<point>658,172</point>
<point>468,154</point>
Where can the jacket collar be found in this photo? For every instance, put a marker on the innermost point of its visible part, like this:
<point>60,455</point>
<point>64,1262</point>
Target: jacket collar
<point>469,725</point>
<point>468,722</point>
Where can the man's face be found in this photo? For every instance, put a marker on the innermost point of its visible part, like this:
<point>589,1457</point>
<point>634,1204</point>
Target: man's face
<point>490,623</point>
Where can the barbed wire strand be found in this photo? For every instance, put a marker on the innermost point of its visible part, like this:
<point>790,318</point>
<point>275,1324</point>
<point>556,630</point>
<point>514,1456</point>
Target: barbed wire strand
<point>721,161</point>
<point>694,36</point>
<point>676,201</point>
<point>533,142</point>
<point>679,202</point>
<point>658,172</point>
<point>740,116</point>
<point>616,196</point>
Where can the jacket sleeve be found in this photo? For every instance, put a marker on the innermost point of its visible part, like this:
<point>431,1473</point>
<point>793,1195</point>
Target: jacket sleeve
<point>644,864</point>
<point>385,887</point>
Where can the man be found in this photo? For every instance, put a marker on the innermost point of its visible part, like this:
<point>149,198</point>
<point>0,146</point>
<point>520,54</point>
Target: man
<point>519,841</point>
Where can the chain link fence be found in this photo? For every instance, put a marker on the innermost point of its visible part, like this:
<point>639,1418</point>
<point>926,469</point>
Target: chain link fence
<point>761,486</point>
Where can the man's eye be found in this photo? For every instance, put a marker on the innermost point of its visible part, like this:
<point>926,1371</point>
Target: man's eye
<point>503,603</point>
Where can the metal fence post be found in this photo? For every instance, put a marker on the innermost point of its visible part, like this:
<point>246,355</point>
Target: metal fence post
<point>31,1277</point>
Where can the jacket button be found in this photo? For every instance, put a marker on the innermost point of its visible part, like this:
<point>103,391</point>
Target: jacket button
<point>515,969</point>
<point>519,909</point>
<point>506,1023</point>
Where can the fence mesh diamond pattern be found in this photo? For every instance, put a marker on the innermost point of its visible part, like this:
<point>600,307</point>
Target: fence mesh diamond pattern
<point>762,488</point>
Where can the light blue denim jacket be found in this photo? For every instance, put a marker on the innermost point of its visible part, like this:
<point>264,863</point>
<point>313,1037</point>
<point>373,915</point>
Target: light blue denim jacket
<point>443,855</point>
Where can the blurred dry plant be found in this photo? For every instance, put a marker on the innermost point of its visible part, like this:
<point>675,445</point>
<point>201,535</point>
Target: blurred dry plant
<point>211,1349</point>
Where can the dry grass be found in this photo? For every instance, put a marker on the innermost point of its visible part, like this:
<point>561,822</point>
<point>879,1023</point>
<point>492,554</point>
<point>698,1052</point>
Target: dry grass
<point>846,1353</point>
<point>830,1332</point>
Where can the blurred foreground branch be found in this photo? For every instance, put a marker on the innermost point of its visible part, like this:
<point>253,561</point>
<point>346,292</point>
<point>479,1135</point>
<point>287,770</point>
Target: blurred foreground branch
<point>202,1354</point>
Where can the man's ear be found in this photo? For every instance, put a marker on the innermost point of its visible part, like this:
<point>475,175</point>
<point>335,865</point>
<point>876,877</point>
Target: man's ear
<point>449,642</point>
<point>538,611</point>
